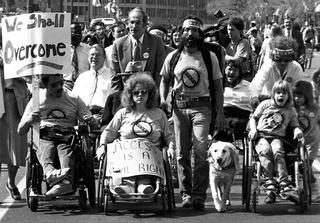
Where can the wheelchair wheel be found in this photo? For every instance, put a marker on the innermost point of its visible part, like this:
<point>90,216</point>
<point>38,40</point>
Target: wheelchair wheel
<point>28,179</point>
<point>33,202</point>
<point>106,194</point>
<point>90,178</point>
<point>164,194</point>
<point>303,203</point>
<point>100,183</point>
<point>244,176</point>
<point>254,201</point>
<point>169,180</point>
<point>82,199</point>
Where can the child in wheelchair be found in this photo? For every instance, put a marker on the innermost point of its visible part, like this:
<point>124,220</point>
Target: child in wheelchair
<point>309,119</point>
<point>59,111</point>
<point>268,125</point>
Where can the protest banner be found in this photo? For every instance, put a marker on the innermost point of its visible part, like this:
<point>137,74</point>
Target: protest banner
<point>35,44</point>
<point>134,157</point>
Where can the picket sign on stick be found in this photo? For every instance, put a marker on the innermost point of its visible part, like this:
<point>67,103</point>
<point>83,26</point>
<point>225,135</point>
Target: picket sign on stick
<point>35,44</point>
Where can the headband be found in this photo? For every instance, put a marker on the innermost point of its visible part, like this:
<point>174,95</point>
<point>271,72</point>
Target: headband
<point>280,52</point>
<point>191,23</point>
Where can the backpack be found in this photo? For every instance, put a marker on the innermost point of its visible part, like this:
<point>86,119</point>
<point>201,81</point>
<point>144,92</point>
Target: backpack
<point>205,51</point>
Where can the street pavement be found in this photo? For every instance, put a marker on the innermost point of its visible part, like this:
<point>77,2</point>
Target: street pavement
<point>282,211</point>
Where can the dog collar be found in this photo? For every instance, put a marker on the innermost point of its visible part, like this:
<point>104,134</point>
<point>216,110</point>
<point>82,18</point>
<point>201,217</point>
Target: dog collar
<point>230,166</point>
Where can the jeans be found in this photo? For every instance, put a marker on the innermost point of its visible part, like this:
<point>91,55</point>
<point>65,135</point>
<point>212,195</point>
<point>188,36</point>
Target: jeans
<point>271,156</point>
<point>191,126</point>
<point>49,150</point>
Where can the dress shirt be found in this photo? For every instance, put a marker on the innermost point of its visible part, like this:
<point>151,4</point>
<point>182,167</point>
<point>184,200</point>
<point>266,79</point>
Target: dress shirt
<point>102,87</point>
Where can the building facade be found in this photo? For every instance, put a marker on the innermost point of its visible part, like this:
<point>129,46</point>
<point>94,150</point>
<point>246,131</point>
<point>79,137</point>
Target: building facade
<point>163,12</point>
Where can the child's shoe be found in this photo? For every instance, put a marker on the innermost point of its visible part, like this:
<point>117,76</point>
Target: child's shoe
<point>271,198</point>
<point>285,186</point>
<point>270,184</point>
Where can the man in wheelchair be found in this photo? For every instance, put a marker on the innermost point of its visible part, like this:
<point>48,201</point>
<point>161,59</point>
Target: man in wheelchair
<point>59,112</point>
<point>236,105</point>
<point>268,125</point>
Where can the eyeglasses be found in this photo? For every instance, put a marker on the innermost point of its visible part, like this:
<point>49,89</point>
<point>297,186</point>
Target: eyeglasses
<point>279,60</point>
<point>136,93</point>
<point>55,84</point>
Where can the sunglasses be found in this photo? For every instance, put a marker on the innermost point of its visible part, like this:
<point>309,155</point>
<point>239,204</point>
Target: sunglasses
<point>136,93</point>
<point>55,84</point>
<point>282,60</point>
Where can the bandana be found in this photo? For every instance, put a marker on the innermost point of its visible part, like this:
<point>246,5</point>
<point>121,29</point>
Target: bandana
<point>282,53</point>
<point>191,23</point>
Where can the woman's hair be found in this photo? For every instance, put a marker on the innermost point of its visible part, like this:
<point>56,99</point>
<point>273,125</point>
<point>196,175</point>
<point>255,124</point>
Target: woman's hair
<point>315,75</point>
<point>146,81</point>
<point>284,86</point>
<point>284,43</point>
<point>176,29</point>
<point>305,88</point>
<point>281,45</point>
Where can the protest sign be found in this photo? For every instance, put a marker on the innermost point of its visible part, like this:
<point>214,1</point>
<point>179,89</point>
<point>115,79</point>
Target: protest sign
<point>37,43</point>
<point>134,157</point>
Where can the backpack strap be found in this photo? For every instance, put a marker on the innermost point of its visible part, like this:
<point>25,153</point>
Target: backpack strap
<point>174,60</point>
<point>207,60</point>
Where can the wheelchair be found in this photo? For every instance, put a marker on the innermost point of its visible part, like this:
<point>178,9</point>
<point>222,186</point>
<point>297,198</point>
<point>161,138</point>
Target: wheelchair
<point>84,180</point>
<point>122,155</point>
<point>296,157</point>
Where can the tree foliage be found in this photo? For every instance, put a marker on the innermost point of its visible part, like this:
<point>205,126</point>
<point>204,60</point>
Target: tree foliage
<point>261,10</point>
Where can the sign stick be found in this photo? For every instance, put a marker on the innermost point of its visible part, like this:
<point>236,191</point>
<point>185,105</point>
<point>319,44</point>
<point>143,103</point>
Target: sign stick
<point>35,105</point>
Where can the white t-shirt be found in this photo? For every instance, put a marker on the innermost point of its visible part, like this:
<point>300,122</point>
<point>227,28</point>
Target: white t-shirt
<point>190,74</point>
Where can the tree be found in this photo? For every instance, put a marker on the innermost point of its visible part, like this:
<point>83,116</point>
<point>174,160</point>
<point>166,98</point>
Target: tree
<point>264,9</point>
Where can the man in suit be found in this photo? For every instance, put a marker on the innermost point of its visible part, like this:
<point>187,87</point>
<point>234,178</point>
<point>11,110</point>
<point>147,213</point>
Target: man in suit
<point>151,49</point>
<point>100,28</point>
<point>79,56</point>
<point>297,36</point>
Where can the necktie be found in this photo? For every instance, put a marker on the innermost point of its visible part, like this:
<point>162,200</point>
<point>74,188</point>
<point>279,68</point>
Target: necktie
<point>74,64</point>
<point>136,51</point>
<point>288,33</point>
<point>93,87</point>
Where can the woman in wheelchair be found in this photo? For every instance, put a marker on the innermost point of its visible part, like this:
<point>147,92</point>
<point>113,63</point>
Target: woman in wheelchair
<point>139,118</point>
<point>237,107</point>
<point>268,125</point>
<point>59,109</point>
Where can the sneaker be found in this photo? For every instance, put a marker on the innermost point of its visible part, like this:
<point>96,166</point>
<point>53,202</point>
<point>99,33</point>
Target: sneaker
<point>145,189</point>
<point>54,176</point>
<point>124,189</point>
<point>270,184</point>
<point>62,188</point>
<point>285,186</point>
<point>14,192</point>
<point>315,198</point>
<point>198,204</point>
<point>186,201</point>
<point>271,198</point>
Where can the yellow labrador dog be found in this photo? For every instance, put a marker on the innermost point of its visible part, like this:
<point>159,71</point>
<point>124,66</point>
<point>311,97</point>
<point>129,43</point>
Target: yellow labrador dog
<point>224,163</point>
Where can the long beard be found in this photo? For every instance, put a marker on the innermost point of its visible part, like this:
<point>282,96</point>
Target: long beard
<point>190,42</point>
